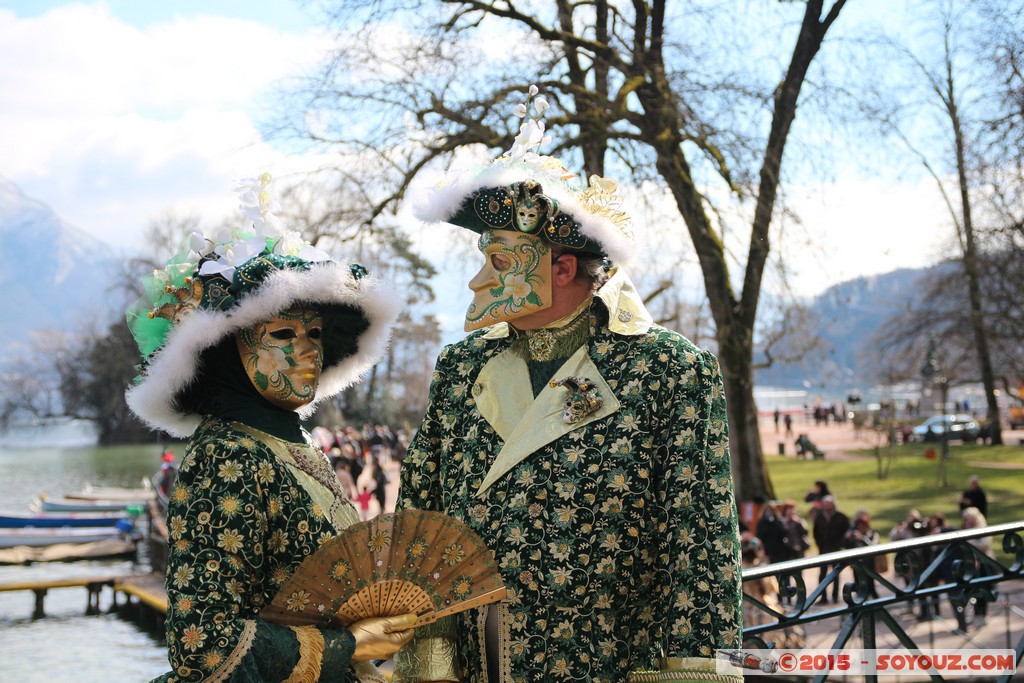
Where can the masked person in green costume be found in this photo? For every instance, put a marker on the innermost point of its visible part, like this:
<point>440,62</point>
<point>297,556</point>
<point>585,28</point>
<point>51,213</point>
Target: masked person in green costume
<point>241,337</point>
<point>586,445</point>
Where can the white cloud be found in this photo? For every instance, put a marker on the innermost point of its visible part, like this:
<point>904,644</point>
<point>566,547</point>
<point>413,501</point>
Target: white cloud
<point>111,124</point>
<point>860,226</point>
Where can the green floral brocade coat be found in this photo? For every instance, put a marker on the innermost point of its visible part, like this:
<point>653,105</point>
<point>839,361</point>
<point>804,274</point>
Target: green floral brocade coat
<point>616,536</point>
<point>242,516</point>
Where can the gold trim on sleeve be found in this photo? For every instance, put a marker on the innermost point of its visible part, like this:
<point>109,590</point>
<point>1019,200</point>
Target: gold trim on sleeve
<point>311,655</point>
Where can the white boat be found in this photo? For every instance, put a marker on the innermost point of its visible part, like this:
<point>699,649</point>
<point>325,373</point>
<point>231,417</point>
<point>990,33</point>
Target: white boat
<point>137,496</point>
<point>47,504</point>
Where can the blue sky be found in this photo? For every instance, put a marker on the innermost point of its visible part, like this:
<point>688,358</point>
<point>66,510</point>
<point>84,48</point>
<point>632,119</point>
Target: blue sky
<point>115,113</point>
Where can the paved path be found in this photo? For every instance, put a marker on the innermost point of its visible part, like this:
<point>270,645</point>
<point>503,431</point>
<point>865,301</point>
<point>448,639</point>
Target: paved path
<point>840,440</point>
<point>1002,629</point>
<point>997,465</point>
<point>836,440</point>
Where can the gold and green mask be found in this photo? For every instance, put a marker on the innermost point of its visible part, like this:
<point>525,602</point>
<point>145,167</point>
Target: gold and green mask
<point>283,356</point>
<point>515,280</point>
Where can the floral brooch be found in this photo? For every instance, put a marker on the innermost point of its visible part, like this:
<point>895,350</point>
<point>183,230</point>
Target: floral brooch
<point>583,399</point>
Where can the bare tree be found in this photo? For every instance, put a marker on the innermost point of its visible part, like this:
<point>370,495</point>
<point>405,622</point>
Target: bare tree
<point>635,91</point>
<point>978,174</point>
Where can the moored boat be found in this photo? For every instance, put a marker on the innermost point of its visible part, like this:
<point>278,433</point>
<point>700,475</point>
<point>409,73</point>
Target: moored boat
<point>134,496</point>
<point>37,537</point>
<point>47,504</point>
<point>18,520</point>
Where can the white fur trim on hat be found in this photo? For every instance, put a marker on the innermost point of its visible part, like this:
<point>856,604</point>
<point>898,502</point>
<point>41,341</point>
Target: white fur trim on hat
<point>442,202</point>
<point>174,365</point>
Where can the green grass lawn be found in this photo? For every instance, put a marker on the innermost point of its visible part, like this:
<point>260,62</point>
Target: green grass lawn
<point>911,483</point>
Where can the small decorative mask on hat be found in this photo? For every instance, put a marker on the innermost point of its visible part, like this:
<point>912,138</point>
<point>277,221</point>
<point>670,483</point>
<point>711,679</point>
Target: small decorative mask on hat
<point>514,281</point>
<point>283,356</point>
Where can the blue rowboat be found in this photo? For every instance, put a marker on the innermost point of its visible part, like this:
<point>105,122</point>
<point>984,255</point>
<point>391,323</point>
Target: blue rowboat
<point>45,520</point>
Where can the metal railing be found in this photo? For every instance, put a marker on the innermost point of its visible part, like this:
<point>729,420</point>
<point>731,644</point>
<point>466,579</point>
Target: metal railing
<point>931,568</point>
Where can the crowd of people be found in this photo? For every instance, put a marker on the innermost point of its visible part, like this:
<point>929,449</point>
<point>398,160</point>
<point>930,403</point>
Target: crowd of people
<point>781,534</point>
<point>820,413</point>
<point>360,459</point>
<point>973,506</point>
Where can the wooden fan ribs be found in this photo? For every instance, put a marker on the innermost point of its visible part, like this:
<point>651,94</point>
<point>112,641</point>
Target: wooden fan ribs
<point>412,561</point>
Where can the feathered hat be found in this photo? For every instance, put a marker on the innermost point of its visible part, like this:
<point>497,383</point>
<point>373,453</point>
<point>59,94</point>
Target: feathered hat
<point>524,191</point>
<point>238,278</point>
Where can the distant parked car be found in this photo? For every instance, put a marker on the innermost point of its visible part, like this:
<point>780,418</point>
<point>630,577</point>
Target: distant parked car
<point>959,427</point>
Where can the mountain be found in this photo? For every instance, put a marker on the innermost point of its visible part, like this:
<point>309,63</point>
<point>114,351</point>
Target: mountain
<point>847,315</point>
<point>52,275</point>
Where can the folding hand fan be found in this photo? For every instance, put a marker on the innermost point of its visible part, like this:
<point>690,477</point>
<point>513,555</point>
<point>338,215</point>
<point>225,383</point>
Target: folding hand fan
<point>412,561</point>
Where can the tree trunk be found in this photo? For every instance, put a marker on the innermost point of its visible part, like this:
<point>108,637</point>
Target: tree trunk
<point>750,475</point>
<point>970,261</point>
<point>735,339</point>
<point>734,316</point>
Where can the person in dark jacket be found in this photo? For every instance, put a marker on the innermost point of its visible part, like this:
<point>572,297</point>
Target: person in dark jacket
<point>772,533</point>
<point>830,527</point>
<point>974,496</point>
<point>814,496</point>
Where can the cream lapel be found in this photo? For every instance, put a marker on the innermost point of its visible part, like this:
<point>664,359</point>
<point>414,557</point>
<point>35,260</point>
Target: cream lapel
<point>503,392</point>
<point>526,426</point>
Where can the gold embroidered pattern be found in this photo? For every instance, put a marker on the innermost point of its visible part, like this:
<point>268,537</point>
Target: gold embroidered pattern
<point>549,343</point>
<point>311,655</point>
<point>481,633</point>
<point>187,298</point>
<point>318,469</point>
<point>504,643</point>
<point>368,673</point>
<point>681,677</point>
<point>685,670</point>
<point>600,198</point>
<point>431,656</point>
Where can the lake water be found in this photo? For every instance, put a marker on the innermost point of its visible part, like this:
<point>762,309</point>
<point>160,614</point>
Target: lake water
<point>66,645</point>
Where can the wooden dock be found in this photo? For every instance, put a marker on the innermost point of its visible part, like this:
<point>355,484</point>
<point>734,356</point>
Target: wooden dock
<point>65,552</point>
<point>93,586</point>
<point>145,596</point>
<point>145,600</point>
<point>146,588</point>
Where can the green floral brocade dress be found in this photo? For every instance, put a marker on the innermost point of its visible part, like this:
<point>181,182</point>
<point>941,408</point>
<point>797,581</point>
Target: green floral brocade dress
<point>245,510</point>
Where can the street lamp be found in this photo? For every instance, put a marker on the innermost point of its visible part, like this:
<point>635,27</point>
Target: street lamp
<point>932,375</point>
